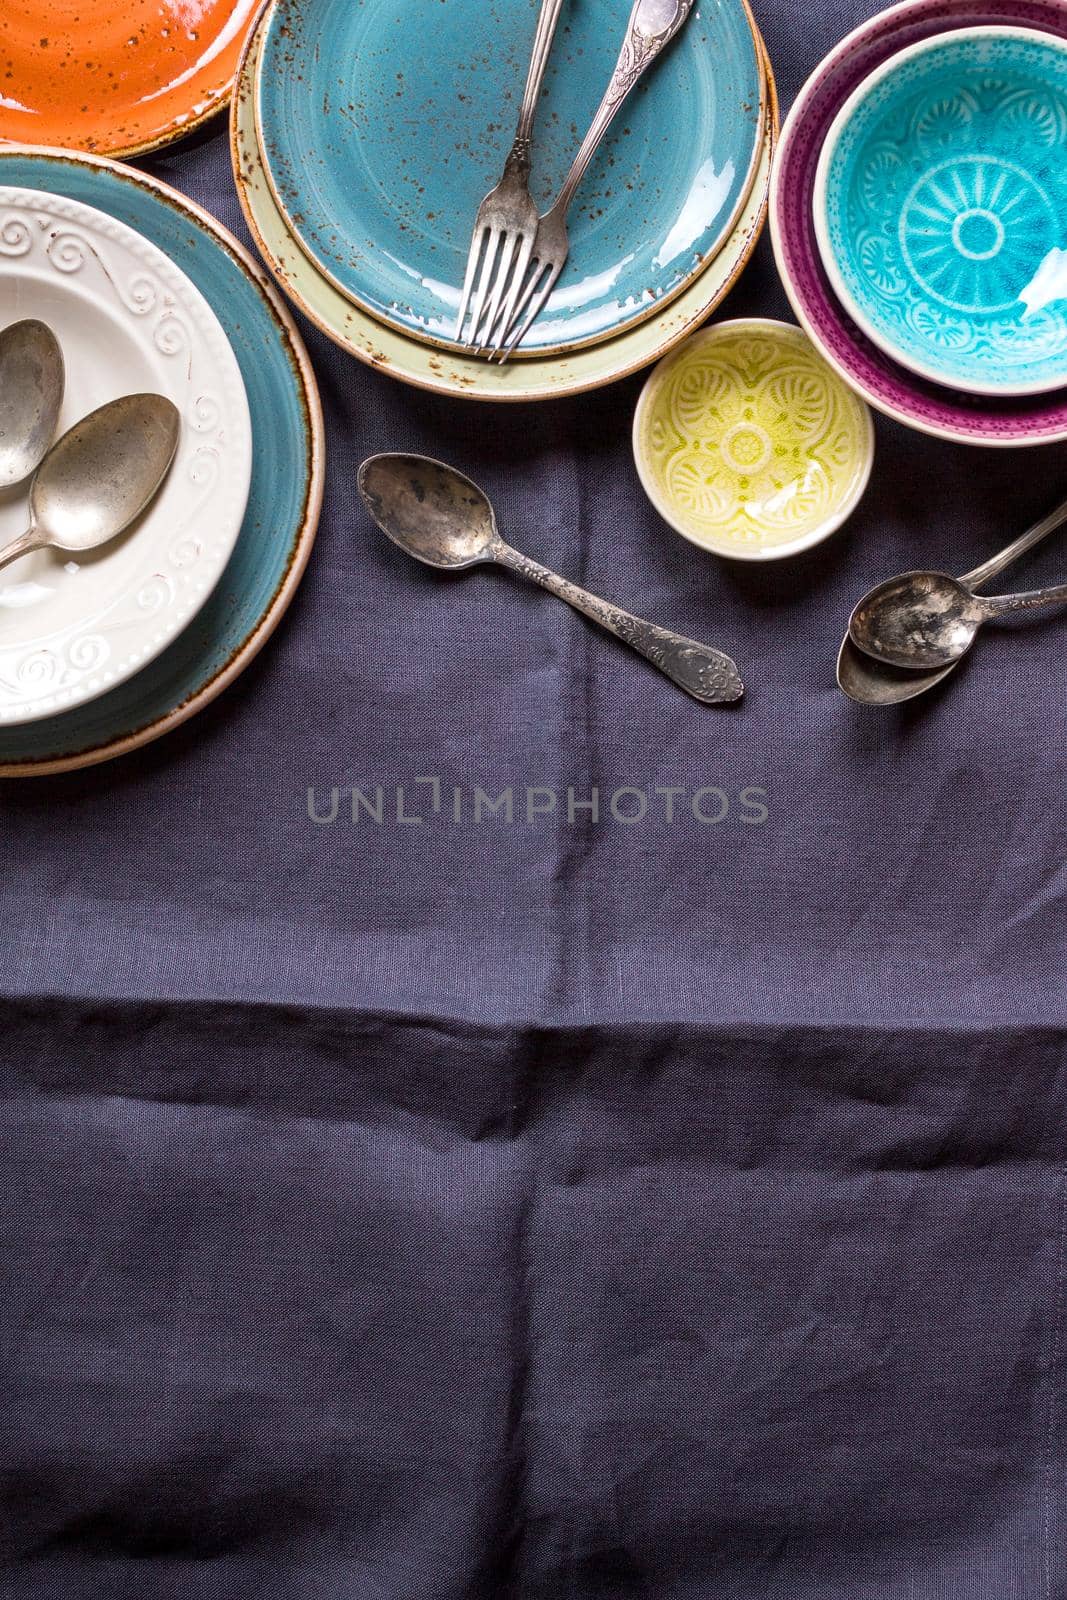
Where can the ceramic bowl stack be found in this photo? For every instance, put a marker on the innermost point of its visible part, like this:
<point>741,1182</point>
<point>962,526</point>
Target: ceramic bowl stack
<point>104,650</point>
<point>75,628</point>
<point>107,649</point>
<point>919,216</point>
<point>362,152</point>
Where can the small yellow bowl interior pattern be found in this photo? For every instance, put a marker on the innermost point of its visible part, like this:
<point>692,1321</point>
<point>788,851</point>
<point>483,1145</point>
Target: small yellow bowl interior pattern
<point>749,444</point>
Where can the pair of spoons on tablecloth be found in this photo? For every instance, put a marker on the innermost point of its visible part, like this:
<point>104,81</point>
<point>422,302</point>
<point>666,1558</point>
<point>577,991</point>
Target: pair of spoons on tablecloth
<point>96,480</point>
<point>909,633</point>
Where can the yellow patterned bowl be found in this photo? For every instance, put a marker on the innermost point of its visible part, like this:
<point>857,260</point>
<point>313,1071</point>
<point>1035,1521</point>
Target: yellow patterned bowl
<point>749,444</point>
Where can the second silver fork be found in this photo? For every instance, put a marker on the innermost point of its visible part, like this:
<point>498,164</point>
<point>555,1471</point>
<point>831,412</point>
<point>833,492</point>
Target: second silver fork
<point>652,26</point>
<point>506,226</point>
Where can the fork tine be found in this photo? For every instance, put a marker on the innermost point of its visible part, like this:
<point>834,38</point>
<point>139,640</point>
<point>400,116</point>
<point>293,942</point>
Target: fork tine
<point>534,312</point>
<point>485,280</point>
<point>501,323</point>
<point>477,240</point>
<point>508,246</point>
<point>536,273</point>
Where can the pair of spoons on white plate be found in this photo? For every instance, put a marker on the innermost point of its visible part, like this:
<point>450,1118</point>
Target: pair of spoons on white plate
<point>93,482</point>
<point>909,633</point>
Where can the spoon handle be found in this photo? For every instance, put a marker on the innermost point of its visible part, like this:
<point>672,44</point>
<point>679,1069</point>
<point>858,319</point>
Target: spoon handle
<point>1002,605</point>
<point>652,26</point>
<point>1018,547</point>
<point>30,540</point>
<point>706,674</point>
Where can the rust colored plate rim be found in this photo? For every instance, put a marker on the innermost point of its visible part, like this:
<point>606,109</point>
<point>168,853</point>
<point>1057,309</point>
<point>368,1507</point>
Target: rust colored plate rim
<point>172,132</point>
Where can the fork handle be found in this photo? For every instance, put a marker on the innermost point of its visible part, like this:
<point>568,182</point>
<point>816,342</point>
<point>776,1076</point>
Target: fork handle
<point>707,674</point>
<point>542,47</point>
<point>652,26</point>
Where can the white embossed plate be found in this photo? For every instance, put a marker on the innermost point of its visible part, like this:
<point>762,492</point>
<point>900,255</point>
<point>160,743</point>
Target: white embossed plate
<point>128,320</point>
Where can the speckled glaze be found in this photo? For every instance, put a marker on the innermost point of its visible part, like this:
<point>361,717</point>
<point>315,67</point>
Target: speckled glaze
<point>888,385</point>
<point>748,443</point>
<point>287,472</point>
<point>546,377</point>
<point>941,209</point>
<point>382,130</point>
<point>116,78</point>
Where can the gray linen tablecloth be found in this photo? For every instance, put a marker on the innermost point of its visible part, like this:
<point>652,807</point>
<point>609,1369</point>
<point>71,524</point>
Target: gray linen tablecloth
<point>553,1209</point>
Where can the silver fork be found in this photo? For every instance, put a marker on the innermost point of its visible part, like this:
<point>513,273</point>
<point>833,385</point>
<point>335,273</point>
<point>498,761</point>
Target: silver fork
<point>506,225</point>
<point>652,26</point>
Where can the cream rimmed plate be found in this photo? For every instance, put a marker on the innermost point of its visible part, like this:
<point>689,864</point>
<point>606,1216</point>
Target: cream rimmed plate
<point>538,378</point>
<point>378,153</point>
<point>128,320</point>
<point>748,443</point>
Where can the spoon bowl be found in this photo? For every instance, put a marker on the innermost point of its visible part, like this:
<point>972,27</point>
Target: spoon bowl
<point>102,474</point>
<point>876,683</point>
<point>921,620</point>
<point>31,393</point>
<point>430,510</point>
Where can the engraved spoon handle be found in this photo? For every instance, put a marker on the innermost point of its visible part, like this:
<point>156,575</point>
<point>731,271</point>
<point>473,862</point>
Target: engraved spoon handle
<point>1002,605</point>
<point>652,26</point>
<point>1026,541</point>
<point>707,674</point>
<point>542,48</point>
<point>30,540</point>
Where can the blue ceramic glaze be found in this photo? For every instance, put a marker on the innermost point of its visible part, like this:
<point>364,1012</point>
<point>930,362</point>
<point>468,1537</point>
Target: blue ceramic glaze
<point>282,452</point>
<point>383,126</point>
<point>941,209</point>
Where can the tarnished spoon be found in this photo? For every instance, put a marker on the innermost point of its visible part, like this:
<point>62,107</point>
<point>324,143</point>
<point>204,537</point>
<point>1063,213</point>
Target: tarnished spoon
<point>31,393</point>
<point>929,619</point>
<point>100,476</point>
<point>440,517</point>
<point>876,683</point>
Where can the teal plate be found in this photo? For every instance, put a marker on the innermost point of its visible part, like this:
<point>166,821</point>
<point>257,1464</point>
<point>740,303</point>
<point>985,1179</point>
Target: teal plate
<point>287,467</point>
<point>383,123</point>
<point>941,209</point>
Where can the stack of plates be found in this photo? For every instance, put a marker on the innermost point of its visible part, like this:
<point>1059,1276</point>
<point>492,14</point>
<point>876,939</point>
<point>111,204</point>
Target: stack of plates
<point>102,653</point>
<point>362,149</point>
<point>918,214</point>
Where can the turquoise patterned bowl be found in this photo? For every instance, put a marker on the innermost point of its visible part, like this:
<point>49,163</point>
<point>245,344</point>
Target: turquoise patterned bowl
<point>941,209</point>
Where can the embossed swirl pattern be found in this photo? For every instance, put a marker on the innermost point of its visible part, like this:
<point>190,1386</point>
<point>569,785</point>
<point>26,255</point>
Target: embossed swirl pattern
<point>947,207</point>
<point>56,659</point>
<point>751,443</point>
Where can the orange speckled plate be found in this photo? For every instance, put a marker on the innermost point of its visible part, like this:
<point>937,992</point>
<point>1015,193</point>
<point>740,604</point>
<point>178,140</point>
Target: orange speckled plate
<point>116,78</point>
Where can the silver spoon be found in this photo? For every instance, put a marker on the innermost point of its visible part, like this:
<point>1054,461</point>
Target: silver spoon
<point>876,683</point>
<point>31,393</point>
<point>442,518</point>
<point>100,476</point>
<point>929,619</point>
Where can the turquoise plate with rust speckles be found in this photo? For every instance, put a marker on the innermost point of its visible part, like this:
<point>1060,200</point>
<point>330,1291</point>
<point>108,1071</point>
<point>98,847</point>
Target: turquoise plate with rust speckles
<point>383,123</point>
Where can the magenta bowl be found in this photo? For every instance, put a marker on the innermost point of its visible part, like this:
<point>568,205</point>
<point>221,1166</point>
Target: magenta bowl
<point>891,388</point>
